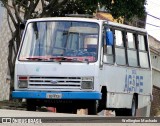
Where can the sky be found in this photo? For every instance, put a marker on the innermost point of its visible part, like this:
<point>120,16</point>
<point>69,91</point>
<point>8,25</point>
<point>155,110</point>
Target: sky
<point>153,8</point>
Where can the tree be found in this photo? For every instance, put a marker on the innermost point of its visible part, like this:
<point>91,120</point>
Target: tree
<point>127,9</point>
<point>17,12</point>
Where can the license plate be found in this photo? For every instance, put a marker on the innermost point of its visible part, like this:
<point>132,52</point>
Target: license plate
<point>54,96</point>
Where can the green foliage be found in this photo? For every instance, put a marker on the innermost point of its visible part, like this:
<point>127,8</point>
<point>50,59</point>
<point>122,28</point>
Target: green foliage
<point>75,7</point>
<point>118,8</point>
<point>128,8</point>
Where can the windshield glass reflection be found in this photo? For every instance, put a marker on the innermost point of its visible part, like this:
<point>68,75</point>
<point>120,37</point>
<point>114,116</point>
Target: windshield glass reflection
<point>61,40</point>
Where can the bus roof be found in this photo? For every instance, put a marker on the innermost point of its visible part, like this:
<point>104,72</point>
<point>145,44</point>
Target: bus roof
<point>66,19</point>
<point>126,26</point>
<point>88,20</point>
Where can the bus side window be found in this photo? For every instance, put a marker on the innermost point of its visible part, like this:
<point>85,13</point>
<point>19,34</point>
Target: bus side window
<point>131,50</point>
<point>120,55</point>
<point>143,52</point>
<point>108,56</point>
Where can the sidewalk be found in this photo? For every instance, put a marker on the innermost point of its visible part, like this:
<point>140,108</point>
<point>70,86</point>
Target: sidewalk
<point>18,105</point>
<point>13,105</point>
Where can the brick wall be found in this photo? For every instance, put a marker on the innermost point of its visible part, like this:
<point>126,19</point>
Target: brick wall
<point>155,106</point>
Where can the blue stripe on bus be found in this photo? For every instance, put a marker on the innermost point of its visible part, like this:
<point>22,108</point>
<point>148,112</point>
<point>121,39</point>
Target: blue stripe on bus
<point>65,95</point>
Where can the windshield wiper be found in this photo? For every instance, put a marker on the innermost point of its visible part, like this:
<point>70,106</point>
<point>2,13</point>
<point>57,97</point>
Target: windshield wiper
<point>60,59</point>
<point>35,58</point>
<point>66,59</point>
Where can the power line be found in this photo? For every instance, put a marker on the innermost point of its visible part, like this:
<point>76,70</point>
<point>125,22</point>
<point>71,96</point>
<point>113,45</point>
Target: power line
<point>153,25</point>
<point>140,21</point>
<point>153,16</point>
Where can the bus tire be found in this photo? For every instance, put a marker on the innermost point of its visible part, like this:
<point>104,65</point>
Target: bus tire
<point>92,107</point>
<point>119,112</point>
<point>68,108</point>
<point>31,106</point>
<point>128,112</point>
<point>132,111</point>
<point>102,102</point>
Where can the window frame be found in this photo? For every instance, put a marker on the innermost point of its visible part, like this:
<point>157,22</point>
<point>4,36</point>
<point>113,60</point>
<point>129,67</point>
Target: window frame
<point>104,45</point>
<point>38,21</point>
<point>120,47</point>
<point>125,41</point>
<point>132,49</point>
<point>144,51</point>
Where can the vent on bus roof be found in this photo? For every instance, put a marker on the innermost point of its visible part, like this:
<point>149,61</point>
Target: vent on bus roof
<point>79,15</point>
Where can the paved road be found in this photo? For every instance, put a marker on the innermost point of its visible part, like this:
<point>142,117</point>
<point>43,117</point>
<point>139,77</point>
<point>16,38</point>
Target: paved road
<point>60,119</point>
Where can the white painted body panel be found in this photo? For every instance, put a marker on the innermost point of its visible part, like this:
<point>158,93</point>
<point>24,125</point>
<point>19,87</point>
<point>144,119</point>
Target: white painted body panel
<point>115,78</point>
<point>53,69</point>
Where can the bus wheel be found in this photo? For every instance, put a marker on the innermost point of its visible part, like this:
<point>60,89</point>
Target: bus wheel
<point>92,107</point>
<point>31,105</point>
<point>132,111</point>
<point>102,102</point>
<point>120,112</point>
<point>128,112</point>
<point>68,108</point>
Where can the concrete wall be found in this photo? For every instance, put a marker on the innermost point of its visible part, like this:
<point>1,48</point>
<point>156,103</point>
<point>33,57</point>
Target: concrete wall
<point>155,107</point>
<point>4,38</point>
<point>1,14</point>
<point>155,60</point>
<point>154,42</point>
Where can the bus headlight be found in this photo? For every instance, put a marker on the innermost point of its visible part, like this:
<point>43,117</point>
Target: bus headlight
<point>87,83</point>
<point>23,82</point>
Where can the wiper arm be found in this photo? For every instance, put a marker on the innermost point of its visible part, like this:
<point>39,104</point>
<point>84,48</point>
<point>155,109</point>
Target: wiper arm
<point>35,58</point>
<point>60,59</point>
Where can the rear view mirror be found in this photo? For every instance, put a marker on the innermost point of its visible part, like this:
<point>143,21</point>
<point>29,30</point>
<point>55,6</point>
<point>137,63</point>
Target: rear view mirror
<point>22,25</point>
<point>109,38</point>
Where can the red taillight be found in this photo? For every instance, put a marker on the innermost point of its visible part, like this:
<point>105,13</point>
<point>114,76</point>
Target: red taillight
<point>23,78</point>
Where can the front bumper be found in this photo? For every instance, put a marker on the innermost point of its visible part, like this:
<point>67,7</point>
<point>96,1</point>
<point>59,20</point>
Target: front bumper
<point>64,95</point>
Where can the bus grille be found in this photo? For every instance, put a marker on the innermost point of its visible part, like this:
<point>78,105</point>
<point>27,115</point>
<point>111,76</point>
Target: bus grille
<point>55,82</point>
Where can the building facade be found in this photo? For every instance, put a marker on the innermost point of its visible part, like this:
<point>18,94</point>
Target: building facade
<point>155,60</point>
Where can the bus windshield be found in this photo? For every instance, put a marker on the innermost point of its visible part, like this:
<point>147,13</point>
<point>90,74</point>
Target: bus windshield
<point>60,40</point>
